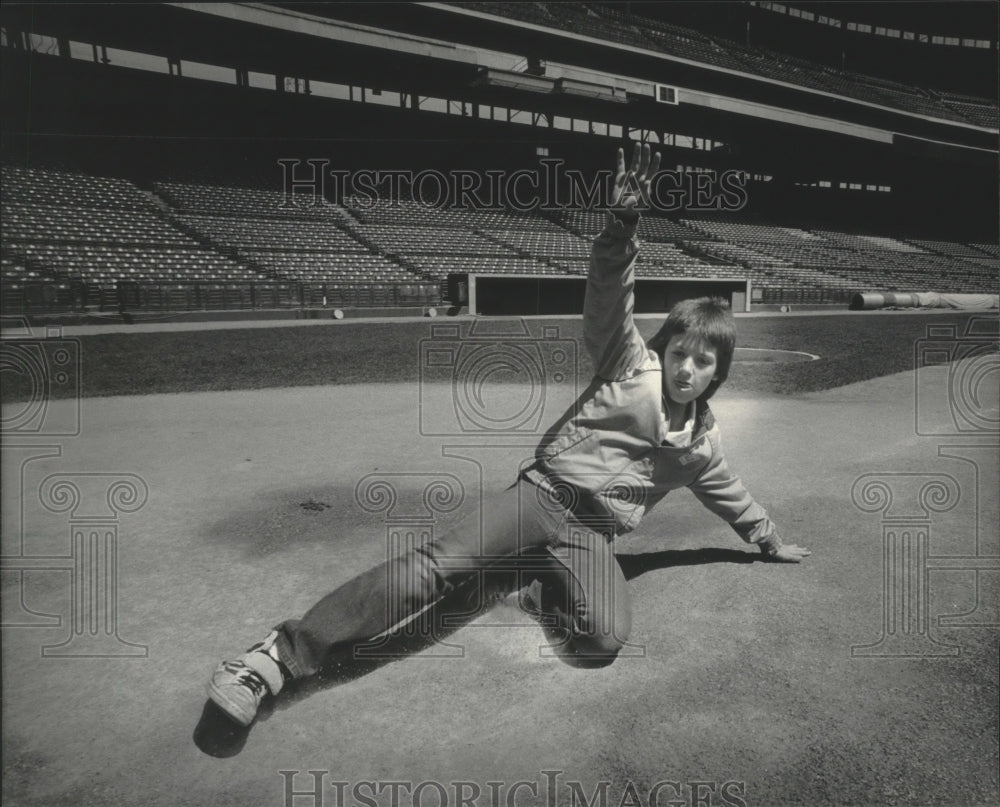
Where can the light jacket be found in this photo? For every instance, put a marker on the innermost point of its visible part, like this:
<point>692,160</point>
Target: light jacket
<point>606,456</point>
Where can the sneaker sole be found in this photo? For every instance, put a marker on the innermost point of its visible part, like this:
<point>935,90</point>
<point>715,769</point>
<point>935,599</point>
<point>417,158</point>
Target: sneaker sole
<point>234,710</point>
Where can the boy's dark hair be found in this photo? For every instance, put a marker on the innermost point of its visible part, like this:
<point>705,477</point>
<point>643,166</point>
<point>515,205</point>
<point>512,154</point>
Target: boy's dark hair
<point>708,318</point>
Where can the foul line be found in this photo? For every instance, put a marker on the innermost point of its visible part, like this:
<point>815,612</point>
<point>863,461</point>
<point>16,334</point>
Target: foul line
<point>812,356</point>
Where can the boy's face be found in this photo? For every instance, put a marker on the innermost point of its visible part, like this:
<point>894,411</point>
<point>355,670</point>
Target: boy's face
<point>689,365</point>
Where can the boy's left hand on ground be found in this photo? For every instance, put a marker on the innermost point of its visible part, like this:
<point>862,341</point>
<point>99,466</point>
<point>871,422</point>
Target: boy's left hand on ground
<point>789,553</point>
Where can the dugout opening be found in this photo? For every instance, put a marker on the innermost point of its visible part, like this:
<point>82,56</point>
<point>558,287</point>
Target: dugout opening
<point>523,295</point>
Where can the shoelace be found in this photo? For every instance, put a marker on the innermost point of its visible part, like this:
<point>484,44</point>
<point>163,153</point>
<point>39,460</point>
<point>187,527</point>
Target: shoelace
<point>253,682</point>
<point>248,678</point>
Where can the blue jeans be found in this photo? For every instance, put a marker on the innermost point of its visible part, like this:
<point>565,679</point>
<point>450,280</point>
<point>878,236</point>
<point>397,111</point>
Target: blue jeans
<point>583,587</point>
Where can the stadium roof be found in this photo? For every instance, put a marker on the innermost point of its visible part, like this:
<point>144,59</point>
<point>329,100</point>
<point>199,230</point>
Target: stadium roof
<point>964,18</point>
<point>443,50</point>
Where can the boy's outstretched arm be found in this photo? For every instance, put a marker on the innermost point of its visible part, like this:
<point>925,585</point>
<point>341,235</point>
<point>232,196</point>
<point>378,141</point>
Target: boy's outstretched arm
<point>722,492</point>
<point>614,344</point>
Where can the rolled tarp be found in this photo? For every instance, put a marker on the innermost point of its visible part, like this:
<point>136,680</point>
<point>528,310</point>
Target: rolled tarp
<point>873,300</point>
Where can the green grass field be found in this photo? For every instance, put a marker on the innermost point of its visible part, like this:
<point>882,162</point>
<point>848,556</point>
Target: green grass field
<point>852,347</point>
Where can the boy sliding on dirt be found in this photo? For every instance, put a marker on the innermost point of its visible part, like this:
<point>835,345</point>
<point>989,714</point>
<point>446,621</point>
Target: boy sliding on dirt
<point>642,428</point>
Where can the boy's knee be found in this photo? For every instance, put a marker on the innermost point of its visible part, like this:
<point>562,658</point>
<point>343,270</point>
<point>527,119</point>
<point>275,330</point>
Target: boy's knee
<point>595,636</point>
<point>599,648</point>
<point>594,650</point>
<point>606,630</point>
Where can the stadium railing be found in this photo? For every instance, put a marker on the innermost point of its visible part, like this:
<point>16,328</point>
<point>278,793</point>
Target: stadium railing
<point>37,297</point>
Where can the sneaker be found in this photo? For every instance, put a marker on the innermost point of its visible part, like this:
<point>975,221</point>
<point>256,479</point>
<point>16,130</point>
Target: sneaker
<point>239,686</point>
<point>238,690</point>
<point>266,646</point>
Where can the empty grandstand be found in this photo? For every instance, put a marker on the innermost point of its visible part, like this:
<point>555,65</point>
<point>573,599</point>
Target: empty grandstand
<point>848,177</point>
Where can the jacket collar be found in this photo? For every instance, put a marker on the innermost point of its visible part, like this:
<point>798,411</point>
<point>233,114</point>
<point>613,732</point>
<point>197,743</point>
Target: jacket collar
<point>703,418</point>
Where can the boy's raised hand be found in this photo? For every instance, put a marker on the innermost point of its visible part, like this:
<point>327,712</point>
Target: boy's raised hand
<point>789,553</point>
<point>632,185</point>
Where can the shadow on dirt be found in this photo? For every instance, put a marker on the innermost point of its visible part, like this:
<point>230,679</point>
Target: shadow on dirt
<point>636,565</point>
